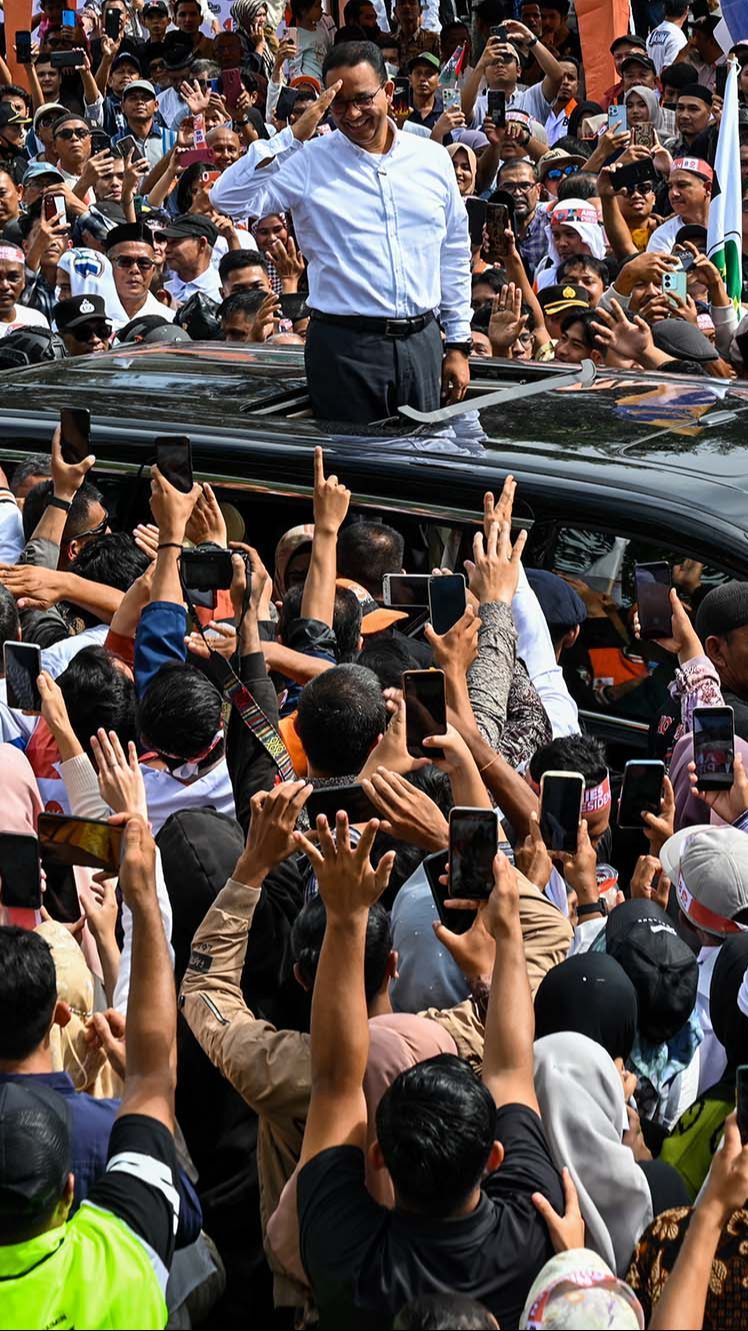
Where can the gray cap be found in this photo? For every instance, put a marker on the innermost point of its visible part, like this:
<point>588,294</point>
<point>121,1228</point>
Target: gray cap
<point>708,867</point>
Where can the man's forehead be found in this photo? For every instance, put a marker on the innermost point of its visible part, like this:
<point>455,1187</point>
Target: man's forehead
<point>132,248</point>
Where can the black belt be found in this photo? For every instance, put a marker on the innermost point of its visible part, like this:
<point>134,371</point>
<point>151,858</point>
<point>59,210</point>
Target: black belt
<point>385,327</point>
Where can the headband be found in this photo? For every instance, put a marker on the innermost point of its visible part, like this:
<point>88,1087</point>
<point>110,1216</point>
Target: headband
<point>696,165</point>
<point>588,215</point>
<point>594,798</point>
<point>12,254</point>
<point>702,916</point>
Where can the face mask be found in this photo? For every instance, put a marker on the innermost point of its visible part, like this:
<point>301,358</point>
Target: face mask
<point>392,70</point>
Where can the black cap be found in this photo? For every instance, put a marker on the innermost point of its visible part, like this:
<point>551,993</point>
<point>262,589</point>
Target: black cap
<point>699,90</point>
<point>126,58</point>
<point>683,341</point>
<point>151,328</point>
<point>9,116</point>
<point>722,609</point>
<point>126,234</point>
<point>635,58</point>
<point>562,607</point>
<point>177,55</point>
<point>632,38</point>
<point>155,7</point>
<point>661,967</point>
<point>35,1149</point>
<point>190,226</point>
<point>77,310</point>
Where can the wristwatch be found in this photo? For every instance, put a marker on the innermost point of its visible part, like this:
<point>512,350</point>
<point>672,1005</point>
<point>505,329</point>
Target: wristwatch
<point>592,908</point>
<point>465,347</point>
<point>534,42</point>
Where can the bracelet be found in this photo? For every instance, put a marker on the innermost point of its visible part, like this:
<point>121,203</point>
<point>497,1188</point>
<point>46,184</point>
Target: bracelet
<point>169,545</point>
<point>481,770</point>
<point>64,504</point>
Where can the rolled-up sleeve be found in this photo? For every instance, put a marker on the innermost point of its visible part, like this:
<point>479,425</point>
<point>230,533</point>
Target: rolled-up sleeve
<point>244,189</point>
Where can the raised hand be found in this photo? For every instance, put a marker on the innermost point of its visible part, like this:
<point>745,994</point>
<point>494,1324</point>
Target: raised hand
<point>348,881</point>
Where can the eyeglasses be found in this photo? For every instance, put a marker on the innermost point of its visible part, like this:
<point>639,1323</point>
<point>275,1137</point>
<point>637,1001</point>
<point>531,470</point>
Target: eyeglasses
<point>557,172</point>
<point>89,332</point>
<point>628,190</point>
<point>74,133</point>
<point>518,186</point>
<point>362,102</point>
<point>126,261</point>
<point>98,530</point>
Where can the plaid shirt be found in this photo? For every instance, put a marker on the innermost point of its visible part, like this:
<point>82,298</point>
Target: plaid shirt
<point>534,244</point>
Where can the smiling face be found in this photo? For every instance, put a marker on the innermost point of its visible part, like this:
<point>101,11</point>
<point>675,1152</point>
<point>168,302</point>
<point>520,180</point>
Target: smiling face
<point>463,171</point>
<point>360,109</point>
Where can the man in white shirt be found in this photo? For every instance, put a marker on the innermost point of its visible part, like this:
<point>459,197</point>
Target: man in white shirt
<point>379,218</point>
<point>12,282</point>
<point>189,250</point>
<point>690,192</point>
<point>668,38</point>
<point>129,248</point>
<point>499,70</point>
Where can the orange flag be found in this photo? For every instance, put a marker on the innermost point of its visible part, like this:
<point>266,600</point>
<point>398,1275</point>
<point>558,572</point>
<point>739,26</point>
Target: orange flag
<point>17,19</point>
<point>600,22</point>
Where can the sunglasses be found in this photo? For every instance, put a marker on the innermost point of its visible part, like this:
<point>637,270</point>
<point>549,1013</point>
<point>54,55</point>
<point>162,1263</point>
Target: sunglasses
<point>558,172</point>
<point>98,530</point>
<point>628,190</point>
<point>89,332</point>
<point>125,261</point>
<point>73,134</point>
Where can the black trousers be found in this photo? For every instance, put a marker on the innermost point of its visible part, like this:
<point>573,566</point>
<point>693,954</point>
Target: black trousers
<point>363,377</point>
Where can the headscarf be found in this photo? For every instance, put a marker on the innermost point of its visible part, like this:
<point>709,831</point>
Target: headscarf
<point>597,1299</point>
<point>580,1094</point>
<point>289,545</point>
<point>582,217</point>
<point>22,802</point>
<point>243,11</point>
<point>649,96</point>
<point>453,148</point>
<point>591,994</point>
<point>91,273</point>
<point>728,1022</point>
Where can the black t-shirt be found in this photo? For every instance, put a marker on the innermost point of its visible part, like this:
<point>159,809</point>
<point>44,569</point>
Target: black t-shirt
<point>140,1185</point>
<point>364,1262</point>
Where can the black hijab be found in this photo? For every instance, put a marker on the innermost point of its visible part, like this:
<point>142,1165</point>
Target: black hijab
<point>591,994</point>
<point>730,1026</point>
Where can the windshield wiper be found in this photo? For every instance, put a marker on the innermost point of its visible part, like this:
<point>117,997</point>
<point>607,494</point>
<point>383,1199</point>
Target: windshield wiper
<point>583,375</point>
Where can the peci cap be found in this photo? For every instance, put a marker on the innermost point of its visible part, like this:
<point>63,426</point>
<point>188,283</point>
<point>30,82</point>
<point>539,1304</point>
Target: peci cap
<point>562,297</point>
<point>38,170</point>
<point>127,234</point>
<point>190,226</point>
<point>424,58</point>
<point>703,93</point>
<point>555,157</point>
<point>562,607</point>
<point>708,867</point>
<point>177,55</point>
<point>374,617</point>
<point>35,1149</point>
<point>683,341</point>
<point>46,109</point>
<point>661,967</point>
<point>723,609</point>
<point>138,85</point>
<point>77,310</point>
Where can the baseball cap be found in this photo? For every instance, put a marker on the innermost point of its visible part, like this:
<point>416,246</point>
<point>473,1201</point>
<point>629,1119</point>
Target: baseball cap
<point>562,297</point>
<point>562,607</point>
<point>126,58</point>
<point>661,967</point>
<point>374,617</point>
<point>631,39</point>
<point>709,868</point>
<point>683,341</point>
<point>45,110</point>
<point>138,85</point>
<point>10,117</point>
<point>191,226</point>
<point>35,1149</point>
<point>77,310</point>
<point>37,170</point>
<point>555,157</point>
<point>639,58</point>
<point>723,608</point>
<point>155,7</point>
<point>424,58</point>
<point>306,81</point>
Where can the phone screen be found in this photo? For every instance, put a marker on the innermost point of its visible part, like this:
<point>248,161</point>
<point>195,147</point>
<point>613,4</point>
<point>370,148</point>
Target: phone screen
<point>741,1099</point>
<point>425,710</point>
<point>206,570</point>
<point>561,809</point>
<point>23,47</point>
<point>22,663</point>
<point>112,20</point>
<point>497,107</point>
<point>129,145</point>
<point>476,211</point>
<point>714,747</point>
<point>83,841</point>
<point>409,590</point>
<point>435,867</point>
<point>75,433</point>
<point>401,95</point>
<point>497,221</point>
<point>653,598</point>
<point>473,841</point>
<point>641,791</point>
<point>174,460</point>
<point>346,799</point>
<point>68,18</point>
<point>20,877</point>
<point>446,601</point>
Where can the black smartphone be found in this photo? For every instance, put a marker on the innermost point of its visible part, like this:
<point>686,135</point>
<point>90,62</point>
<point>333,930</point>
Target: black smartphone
<point>22,662</point>
<point>206,570</point>
<point>341,799</point>
<point>174,460</point>
<point>293,305</point>
<point>20,873</point>
<point>561,809</point>
<point>100,142</point>
<point>714,747</point>
<point>447,601</point>
<point>641,791</point>
<point>476,211</point>
<point>67,59</point>
<point>129,144</point>
<point>500,31</point>
<point>425,710</point>
<point>23,47</point>
<point>720,79</point>
<point>75,433</point>
<point>653,599</point>
<point>741,1100</point>
<point>407,590</point>
<point>497,107</point>
<point>497,221</point>
<point>401,94</point>
<point>286,102</point>
<point>112,23</point>
<point>435,867</point>
<point>89,842</point>
<point>635,173</point>
<point>473,841</point>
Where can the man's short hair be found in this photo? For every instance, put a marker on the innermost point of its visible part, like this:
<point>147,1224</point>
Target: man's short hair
<point>28,992</point>
<point>597,266</point>
<point>308,932</point>
<point>571,753</point>
<point>34,464</point>
<point>347,54</point>
<point>388,657</point>
<point>79,517</point>
<point>10,623</point>
<point>510,165</point>
<point>179,715</point>
<point>114,560</point>
<point>455,1311</point>
<point>436,1125</point>
<point>341,715</point>
<point>582,185</point>
<point>368,550</point>
<point>242,302</point>
<point>587,319</point>
<point>97,693</point>
<point>676,8</point>
<point>679,76</point>
<point>346,620</point>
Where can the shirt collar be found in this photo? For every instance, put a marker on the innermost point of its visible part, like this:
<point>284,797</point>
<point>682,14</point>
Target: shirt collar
<point>18,1258</point>
<point>374,158</point>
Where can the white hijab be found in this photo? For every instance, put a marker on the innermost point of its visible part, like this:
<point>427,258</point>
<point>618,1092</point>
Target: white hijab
<point>581,1102</point>
<point>91,273</point>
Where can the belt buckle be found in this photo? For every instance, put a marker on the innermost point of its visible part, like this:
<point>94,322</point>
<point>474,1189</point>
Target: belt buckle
<point>395,327</point>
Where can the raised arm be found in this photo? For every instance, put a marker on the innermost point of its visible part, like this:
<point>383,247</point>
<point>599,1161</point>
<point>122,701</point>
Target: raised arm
<point>331,500</point>
<point>67,478</point>
<point>510,1020</point>
<point>552,71</point>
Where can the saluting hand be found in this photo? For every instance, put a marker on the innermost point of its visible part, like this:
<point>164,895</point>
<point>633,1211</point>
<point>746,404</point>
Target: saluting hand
<point>306,125</point>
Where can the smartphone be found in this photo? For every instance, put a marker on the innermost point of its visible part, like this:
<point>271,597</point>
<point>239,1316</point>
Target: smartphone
<point>68,18</point>
<point>191,155</point>
<point>401,94</point>
<point>293,305</point>
<point>500,32</point>
<point>129,144</point>
<point>675,284</point>
<point>406,590</point>
<point>425,710</point>
<point>497,108</point>
<point>561,809</point>
<point>435,867</point>
<point>88,842</point>
<point>67,59</point>
<point>23,47</point>
<point>112,21</point>
<point>741,1100</point>
<point>497,221</point>
<point>617,118</point>
<point>451,98</point>
<point>641,791</point>
<point>285,104</point>
<point>100,142</point>
<point>685,256</point>
<point>55,208</point>
<point>206,570</point>
<point>643,135</point>
<point>473,841</point>
<point>174,460</point>
<point>75,433</point>
<point>476,211</point>
<point>653,598</point>
<point>231,82</point>
<point>22,663</point>
<point>714,747</point>
<point>447,601</point>
<point>341,799</point>
<point>720,79</point>
<point>20,871</point>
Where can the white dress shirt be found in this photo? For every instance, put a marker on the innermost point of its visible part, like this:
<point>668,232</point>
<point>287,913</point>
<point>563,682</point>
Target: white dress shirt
<point>535,648</point>
<point>385,236</point>
<point>208,282</point>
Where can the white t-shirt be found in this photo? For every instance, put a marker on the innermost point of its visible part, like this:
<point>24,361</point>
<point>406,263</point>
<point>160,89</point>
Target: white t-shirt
<point>23,317</point>
<point>663,44</point>
<point>662,238</point>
